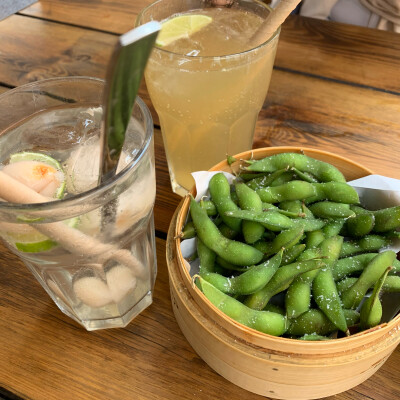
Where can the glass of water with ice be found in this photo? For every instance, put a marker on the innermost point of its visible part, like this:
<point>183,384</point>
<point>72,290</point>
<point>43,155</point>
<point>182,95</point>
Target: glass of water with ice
<point>90,245</point>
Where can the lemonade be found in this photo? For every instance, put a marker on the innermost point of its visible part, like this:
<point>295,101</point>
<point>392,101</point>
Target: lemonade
<point>208,86</point>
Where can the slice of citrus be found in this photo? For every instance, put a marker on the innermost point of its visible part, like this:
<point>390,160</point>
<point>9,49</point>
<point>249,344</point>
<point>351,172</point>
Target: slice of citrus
<point>45,175</point>
<point>38,171</point>
<point>181,26</point>
<point>27,239</point>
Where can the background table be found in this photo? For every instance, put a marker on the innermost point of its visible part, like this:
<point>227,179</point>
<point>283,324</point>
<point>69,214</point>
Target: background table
<point>334,87</point>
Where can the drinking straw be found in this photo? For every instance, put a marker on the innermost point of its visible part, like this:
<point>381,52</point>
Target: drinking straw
<point>274,20</point>
<point>71,239</point>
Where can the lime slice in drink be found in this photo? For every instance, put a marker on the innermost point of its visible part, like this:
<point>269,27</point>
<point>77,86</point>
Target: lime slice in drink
<point>44,175</point>
<point>180,27</point>
<point>40,172</point>
<point>27,239</point>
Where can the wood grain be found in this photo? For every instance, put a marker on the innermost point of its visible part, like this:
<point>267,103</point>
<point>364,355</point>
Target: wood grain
<point>337,51</point>
<point>46,355</point>
<point>348,53</point>
<point>114,16</point>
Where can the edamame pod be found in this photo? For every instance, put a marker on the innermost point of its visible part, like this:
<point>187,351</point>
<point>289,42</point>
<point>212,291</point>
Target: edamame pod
<point>206,257</point>
<point>298,298</point>
<point>316,322</point>
<point>264,321</point>
<point>220,191</point>
<point>248,282</point>
<point>371,310</point>
<point>352,297</point>
<point>367,243</point>
<point>293,190</point>
<point>323,171</point>
<point>324,288</point>
<point>235,252</point>
<point>387,219</point>
<point>330,209</point>
<point>350,265</point>
<point>249,200</point>
<point>334,191</point>
<point>280,281</point>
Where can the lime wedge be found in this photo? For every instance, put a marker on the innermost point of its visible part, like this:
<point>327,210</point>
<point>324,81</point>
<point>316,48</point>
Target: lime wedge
<point>180,27</point>
<point>27,239</point>
<point>47,161</point>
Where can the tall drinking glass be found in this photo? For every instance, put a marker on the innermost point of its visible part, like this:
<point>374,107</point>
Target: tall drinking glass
<point>208,88</point>
<point>90,246</point>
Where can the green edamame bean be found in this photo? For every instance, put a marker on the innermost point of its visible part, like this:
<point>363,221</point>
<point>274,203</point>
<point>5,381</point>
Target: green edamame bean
<point>352,297</point>
<point>206,257</point>
<point>324,288</point>
<point>276,222</point>
<point>345,284</point>
<point>361,225</point>
<point>293,190</point>
<point>316,322</point>
<point>274,308</point>
<point>227,266</point>
<point>188,231</point>
<point>390,285</point>
<point>246,177</point>
<point>235,252</point>
<point>263,321</point>
<point>371,310</point>
<point>298,295</point>
<point>280,281</point>
<point>265,180</point>
<point>314,238</point>
<point>387,219</point>
<point>333,191</point>
<point>365,244</point>
<point>220,191</point>
<point>226,231</point>
<point>287,176</point>
<point>271,207</point>
<point>286,239</point>
<point>355,264</point>
<point>323,171</point>
<point>305,176</point>
<point>271,220</point>
<point>297,298</point>
<point>248,282</point>
<point>290,255</point>
<point>333,227</point>
<point>293,206</point>
<point>330,209</point>
<point>209,206</point>
<point>249,200</point>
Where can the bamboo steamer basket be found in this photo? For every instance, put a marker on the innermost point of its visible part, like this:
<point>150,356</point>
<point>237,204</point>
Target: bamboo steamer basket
<point>271,366</point>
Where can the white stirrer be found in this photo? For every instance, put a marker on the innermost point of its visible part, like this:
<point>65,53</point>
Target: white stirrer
<point>273,21</point>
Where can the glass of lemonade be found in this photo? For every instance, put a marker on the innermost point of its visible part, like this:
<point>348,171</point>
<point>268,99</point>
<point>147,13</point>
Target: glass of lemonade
<point>91,246</point>
<point>209,85</point>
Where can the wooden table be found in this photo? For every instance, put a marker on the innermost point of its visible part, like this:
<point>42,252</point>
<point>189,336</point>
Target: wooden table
<point>334,87</point>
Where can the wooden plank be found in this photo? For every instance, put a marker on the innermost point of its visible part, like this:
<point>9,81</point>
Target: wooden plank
<point>33,49</point>
<point>141,361</point>
<point>116,16</point>
<point>337,51</point>
<point>340,51</point>
<point>360,124</point>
